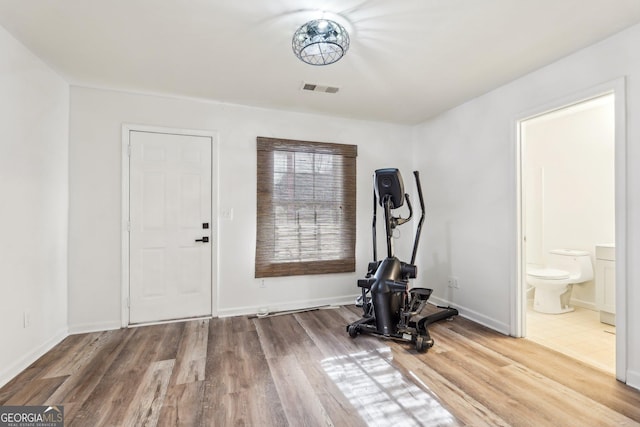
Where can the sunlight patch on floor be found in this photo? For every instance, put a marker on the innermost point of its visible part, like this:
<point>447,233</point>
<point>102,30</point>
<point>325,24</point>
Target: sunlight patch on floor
<point>381,395</point>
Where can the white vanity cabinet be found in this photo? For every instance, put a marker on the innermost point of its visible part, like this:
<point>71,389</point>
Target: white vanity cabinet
<point>606,283</point>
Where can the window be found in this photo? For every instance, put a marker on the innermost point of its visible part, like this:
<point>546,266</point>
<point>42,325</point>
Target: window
<point>306,220</point>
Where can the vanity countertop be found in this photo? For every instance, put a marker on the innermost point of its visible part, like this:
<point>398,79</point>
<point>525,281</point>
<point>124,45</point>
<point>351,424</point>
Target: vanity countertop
<point>606,251</point>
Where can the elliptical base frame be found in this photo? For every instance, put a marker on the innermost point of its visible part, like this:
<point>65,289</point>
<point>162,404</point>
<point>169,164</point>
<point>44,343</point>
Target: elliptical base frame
<point>414,331</point>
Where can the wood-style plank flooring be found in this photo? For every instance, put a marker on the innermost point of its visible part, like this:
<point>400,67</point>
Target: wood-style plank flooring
<point>304,370</point>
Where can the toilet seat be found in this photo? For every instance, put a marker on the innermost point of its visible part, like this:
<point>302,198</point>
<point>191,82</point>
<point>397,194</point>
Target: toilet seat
<point>548,273</point>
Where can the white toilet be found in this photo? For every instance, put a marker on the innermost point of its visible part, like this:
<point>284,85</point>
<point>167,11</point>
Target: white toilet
<point>553,284</point>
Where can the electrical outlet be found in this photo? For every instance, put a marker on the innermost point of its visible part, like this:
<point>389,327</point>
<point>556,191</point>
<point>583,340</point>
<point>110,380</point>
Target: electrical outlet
<point>453,282</point>
<point>262,285</point>
<point>26,319</point>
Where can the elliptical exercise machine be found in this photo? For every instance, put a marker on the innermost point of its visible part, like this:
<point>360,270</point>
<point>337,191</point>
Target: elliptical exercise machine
<point>393,310</point>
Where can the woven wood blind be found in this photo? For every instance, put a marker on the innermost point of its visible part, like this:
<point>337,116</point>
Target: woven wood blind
<point>306,220</point>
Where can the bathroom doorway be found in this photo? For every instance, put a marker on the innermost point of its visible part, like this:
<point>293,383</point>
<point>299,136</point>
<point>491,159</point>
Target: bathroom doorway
<point>567,171</point>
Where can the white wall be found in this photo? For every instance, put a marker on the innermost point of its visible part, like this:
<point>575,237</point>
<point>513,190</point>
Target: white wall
<point>96,117</point>
<point>34,108</point>
<point>568,170</point>
<point>468,157</point>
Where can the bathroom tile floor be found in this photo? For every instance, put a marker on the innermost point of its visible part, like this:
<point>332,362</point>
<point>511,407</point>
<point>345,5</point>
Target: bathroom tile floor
<point>578,334</point>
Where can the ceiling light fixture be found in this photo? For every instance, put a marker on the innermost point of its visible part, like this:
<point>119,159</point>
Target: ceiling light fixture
<point>320,42</point>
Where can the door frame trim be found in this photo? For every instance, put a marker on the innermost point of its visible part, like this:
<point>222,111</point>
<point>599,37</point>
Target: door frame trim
<point>518,274</point>
<point>127,128</point>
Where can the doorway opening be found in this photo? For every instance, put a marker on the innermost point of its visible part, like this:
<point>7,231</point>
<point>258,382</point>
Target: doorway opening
<point>571,229</point>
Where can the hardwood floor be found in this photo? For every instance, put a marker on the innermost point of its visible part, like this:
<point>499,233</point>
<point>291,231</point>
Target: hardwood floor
<point>304,370</point>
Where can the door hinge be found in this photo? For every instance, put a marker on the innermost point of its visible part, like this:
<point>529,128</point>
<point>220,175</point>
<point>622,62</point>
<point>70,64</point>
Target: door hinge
<point>129,226</point>
<point>129,150</point>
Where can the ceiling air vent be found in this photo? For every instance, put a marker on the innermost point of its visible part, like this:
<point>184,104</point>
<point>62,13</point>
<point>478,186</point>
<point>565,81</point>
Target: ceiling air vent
<point>320,88</point>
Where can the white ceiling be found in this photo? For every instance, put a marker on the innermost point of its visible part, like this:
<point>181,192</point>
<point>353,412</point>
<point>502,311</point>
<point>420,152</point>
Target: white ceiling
<point>409,59</point>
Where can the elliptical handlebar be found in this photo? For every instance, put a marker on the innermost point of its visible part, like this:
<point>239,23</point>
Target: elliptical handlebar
<point>399,220</point>
<point>416,175</point>
<point>391,222</point>
<point>375,208</point>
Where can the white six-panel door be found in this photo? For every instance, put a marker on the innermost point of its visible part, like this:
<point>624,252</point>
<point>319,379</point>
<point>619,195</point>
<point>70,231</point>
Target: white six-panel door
<point>170,223</point>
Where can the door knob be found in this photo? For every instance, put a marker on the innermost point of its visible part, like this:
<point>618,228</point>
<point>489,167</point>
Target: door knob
<point>205,239</point>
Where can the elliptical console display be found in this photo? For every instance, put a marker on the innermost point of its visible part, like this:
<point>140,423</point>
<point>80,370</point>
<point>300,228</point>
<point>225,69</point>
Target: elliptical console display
<point>391,309</point>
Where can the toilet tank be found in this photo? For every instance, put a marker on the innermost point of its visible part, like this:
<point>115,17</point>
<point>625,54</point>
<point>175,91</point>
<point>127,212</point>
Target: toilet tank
<point>576,262</point>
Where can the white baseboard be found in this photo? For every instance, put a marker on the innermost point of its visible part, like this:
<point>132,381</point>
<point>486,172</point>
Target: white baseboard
<point>584,304</point>
<point>487,321</point>
<point>84,328</point>
<point>294,305</point>
<point>8,373</point>
<point>633,379</point>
